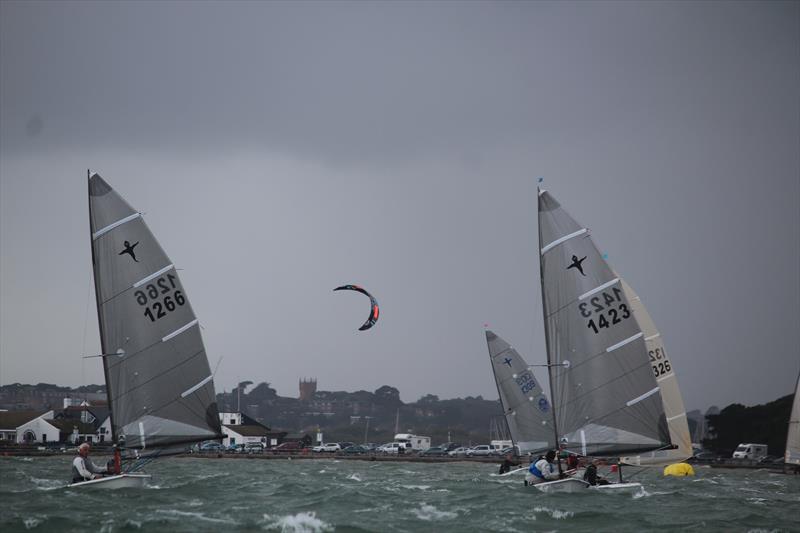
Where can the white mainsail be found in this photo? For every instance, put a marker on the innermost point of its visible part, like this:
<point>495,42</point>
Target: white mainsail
<point>792,454</point>
<point>664,372</point>
<point>160,387</point>
<point>525,406</point>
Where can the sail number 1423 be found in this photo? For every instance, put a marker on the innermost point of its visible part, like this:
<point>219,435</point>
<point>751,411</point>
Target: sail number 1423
<point>605,310</point>
<point>149,297</point>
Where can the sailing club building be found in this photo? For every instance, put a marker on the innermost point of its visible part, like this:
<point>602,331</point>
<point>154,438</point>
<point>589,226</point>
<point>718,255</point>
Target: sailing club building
<point>239,428</point>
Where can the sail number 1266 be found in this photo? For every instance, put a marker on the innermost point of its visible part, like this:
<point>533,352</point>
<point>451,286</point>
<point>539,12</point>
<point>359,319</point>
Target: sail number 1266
<point>149,297</point>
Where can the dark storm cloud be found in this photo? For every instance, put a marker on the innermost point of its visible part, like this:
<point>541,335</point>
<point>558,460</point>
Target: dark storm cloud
<point>396,145</point>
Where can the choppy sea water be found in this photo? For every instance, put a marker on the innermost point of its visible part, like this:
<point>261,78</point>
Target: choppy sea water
<point>189,494</point>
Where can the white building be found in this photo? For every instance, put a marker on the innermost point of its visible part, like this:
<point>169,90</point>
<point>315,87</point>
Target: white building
<point>38,429</point>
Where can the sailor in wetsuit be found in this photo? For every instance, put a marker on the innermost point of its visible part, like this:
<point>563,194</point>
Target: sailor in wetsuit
<point>543,470</point>
<point>83,469</point>
<point>508,463</point>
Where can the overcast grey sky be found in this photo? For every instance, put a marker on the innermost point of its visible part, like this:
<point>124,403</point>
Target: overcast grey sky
<point>279,150</point>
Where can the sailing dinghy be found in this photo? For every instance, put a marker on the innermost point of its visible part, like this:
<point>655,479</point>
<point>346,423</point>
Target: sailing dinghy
<point>605,399</point>
<point>158,380</point>
<point>792,454</point>
<point>525,406</point>
<point>664,371</point>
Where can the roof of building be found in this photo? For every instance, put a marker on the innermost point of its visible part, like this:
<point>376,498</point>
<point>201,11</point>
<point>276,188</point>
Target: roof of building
<point>14,419</point>
<point>249,430</point>
<point>68,425</point>
<point>297,436</point>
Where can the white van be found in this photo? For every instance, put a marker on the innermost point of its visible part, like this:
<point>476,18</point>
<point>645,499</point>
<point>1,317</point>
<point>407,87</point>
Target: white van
<point>753,452</point>
<point>413,442</point>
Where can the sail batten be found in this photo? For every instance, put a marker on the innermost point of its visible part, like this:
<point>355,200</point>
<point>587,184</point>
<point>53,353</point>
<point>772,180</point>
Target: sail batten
<point>146,319</point>
<point>113,225</point>
<point>153,276</point>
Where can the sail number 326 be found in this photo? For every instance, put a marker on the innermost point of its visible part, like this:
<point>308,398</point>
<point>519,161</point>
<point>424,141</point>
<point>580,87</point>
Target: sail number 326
<point>659,362</point>
<point>149,297</point>
<point>605,310</point>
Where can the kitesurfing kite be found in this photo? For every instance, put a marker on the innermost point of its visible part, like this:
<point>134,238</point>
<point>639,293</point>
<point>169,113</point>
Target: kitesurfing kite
<point>373,310</point>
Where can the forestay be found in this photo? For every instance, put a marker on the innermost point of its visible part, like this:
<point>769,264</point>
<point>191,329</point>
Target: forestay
<point>606,399</point>
<point>793,438</point>
<point>525,405</point>
<point>161,391</point>
<point>663,370</point>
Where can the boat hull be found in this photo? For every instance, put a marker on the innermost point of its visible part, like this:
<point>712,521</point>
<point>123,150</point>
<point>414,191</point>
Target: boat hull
<point>567,485</point>
<point>572,485</point>
<point>122,481</point>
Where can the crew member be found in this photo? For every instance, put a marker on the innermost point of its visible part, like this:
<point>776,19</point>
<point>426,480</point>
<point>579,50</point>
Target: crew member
<point>83,469</point>
<point>508,462</point>
<point>543,469</point>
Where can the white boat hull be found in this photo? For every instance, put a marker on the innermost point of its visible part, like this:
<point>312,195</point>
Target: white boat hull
<point>622,488</point>
<point>572,485</point>
<point>566,485</point>
<point>122,481</point>
<point>520,470</point>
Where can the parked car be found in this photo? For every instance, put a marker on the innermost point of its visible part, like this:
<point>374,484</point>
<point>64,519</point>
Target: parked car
<point>291,446</point>
<point>434,451</point>
<point>344,445</point>
<point>392,448</point>
<point>704,456</point>
<point>461,451</point>
<point>356,449</point>
<point>480,450</point>
<point>329,447</point>
<point>235,448</point>
<point>254,447</point>
<point>211,446</point>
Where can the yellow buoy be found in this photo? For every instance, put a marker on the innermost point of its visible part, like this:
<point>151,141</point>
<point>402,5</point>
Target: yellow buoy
<point>679,470</point>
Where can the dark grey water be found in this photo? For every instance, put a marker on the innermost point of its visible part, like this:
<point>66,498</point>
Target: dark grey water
<point>330,495</point>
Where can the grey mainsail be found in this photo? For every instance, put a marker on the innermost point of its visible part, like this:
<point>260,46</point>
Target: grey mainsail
<point>663,369</point>
<point>792,454</point>
<point>160,386</point>
<point>606,400</point>
<point>527,411</point>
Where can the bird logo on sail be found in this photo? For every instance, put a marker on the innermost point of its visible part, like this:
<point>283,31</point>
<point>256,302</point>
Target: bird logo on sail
<point>577,263</point>
<point>129,250</point>
<point>507,361</point>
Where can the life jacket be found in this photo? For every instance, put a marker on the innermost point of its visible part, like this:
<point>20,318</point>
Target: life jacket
<point>535,471</point>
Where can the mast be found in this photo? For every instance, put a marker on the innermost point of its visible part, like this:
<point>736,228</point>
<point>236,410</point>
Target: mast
<point>103,346</point>
<point>544,318</point>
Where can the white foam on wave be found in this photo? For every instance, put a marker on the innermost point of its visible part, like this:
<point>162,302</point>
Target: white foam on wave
<point>415,487</point>
<point>46,484</point>
<point>306,522</point>
<point>554,513</point>
<point>31,522</point>
<point>354,477</point>
<point>429,513</point>
<point>199,516</point>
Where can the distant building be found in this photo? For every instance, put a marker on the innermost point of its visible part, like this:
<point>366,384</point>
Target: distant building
<point>308,387</point>
<point>239,428</point>
<point>11,421</point>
